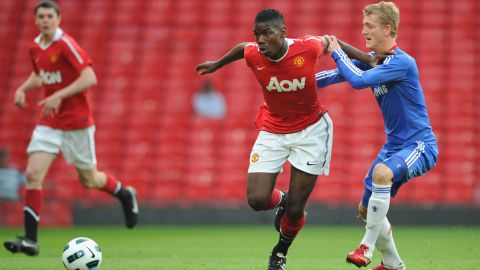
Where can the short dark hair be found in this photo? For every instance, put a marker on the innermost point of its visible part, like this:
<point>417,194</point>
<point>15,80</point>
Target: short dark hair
<point>270,14</point>
<point>47,4</point>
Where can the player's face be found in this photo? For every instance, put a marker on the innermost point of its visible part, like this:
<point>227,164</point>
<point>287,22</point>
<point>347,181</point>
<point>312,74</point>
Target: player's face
<point>47,21</point>
<point>270,38</point>
<point>375,32</point>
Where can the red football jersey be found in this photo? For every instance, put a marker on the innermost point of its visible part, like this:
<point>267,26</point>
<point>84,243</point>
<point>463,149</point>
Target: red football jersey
<point>58,65</point>
<point>288,85</point>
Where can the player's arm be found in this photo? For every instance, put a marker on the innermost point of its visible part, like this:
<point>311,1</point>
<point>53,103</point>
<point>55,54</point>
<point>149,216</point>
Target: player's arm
<point>354,53</point>
<point>358,78</point>
<point>86,80</point>
<point>333,76</point>
<point>233,55</point>
<point>32,82</point>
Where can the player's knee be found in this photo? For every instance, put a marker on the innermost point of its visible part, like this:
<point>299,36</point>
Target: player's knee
<point>87,181</point>
<point>382,175</point>
<point>256,202</point>
<point>33,176</point>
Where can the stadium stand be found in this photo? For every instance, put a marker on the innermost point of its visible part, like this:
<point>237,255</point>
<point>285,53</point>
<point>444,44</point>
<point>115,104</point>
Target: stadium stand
<point>144,53</point>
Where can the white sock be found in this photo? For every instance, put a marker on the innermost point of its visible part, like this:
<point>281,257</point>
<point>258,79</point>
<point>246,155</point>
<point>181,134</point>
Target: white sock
<point>386,245</point>
<point>377,211</point>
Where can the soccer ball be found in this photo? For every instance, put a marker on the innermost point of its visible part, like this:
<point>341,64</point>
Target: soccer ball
<point>82,254</point>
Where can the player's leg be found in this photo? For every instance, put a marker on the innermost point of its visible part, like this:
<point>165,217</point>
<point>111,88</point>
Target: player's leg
<point>43,149</point>
<point>79,148</point>
<point>301,186</point>
<point>310,153</point>
<point>420,158</point>
<point>92,178</point>
<point>266,160</point>
<point>385,243</point>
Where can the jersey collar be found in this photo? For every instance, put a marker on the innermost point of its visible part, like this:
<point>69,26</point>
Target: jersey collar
<point>58,35</point>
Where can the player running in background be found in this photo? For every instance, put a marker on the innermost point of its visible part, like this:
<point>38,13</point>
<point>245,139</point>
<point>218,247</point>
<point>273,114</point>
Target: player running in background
<point>64,72</point>
<point>411,147</point>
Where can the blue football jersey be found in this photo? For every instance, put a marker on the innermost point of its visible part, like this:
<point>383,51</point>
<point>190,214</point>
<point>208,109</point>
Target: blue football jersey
<point>398,92</point>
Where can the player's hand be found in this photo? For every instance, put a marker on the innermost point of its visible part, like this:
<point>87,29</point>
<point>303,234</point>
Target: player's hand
<point>377,59</point>
<point>51,106</point>
<point>19,99</point>
<point>333,44</point>
<point>206,67</point>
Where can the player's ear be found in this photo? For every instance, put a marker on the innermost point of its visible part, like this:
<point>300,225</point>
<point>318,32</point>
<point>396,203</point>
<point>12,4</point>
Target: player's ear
<point>388,30</point>
<point>283,31</point>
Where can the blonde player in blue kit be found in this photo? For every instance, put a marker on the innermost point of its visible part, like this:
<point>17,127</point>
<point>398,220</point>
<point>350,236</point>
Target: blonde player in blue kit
<point>411,147</point>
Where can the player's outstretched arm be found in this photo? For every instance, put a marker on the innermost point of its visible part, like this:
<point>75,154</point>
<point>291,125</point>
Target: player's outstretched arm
<point>354,53</point>
<point>86,80</point>
<point>233,55</point>
<point>32,82</point>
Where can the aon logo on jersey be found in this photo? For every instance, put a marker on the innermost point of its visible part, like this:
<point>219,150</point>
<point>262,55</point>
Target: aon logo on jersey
<point>50,77</point>
<point>285,85</point>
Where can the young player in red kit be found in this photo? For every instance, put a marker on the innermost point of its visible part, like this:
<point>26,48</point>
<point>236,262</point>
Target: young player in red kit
<point>63,70</point>
<point>293,125</point>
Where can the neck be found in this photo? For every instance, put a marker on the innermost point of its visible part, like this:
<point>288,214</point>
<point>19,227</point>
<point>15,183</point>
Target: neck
<point>385,46</point>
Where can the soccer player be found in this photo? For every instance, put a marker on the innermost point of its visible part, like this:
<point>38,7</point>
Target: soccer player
<point>63,70</point>
<point>294,126</point>
<point>411,147</point>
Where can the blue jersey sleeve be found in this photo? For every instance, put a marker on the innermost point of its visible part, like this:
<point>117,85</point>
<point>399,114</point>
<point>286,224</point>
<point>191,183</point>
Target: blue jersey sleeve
<point>333,76</point>
<point>393,68</point>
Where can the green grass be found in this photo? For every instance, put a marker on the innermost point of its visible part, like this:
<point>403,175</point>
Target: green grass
<point>193,247</point>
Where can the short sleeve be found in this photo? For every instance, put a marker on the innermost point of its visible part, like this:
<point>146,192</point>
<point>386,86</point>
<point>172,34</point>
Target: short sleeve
<point>317,43</point>
<point>248,52</point>
<point>75,54</point>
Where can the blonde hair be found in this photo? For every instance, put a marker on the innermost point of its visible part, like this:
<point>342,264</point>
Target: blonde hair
<point>388,13</point>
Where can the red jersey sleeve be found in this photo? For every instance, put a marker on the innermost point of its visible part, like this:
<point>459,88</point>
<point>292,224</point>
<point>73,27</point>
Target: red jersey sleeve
<point>75,54</point>
<point>248,51</point>
<point>317,43</point>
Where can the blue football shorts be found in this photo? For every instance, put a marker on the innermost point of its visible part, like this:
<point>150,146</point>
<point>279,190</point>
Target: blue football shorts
<point>406,163</point>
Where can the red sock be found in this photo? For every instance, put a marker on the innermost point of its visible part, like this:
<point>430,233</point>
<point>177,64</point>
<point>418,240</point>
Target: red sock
<point>290,228</point>
<point>34,199</point>
<point>112,185</point>
<point>274,199</point>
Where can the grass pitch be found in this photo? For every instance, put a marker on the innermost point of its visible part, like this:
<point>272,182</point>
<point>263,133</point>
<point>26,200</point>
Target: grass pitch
<point>196,247</point>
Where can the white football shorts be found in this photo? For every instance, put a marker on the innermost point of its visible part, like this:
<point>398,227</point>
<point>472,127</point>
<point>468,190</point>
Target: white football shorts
<point>308,150</point>
<point>77,146</point>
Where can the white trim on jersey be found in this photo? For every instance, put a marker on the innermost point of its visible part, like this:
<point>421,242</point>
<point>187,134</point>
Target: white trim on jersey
<point>326,74</point>
<point>58,35</point>
<point>74,51</point>
<point>344,58</point>
<point>415,153</point>
<point>387,60</point>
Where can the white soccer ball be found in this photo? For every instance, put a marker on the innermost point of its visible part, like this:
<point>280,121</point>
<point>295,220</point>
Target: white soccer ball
<point>82,254</point>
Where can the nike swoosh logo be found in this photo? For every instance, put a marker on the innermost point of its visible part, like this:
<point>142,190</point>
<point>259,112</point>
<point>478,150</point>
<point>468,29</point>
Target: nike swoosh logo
<point>260,68</point>
<point>93,255</point>
<point>27,244</point>
<point>309,163</point>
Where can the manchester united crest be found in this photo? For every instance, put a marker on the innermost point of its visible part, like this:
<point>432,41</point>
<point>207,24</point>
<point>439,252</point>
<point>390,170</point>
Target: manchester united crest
<point>53,58</point>
<point>255,157</point>
<point>299,61</point>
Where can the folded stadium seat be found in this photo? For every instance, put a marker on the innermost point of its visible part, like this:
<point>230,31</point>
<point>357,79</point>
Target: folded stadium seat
<point>199,186</point>
<point>426,190</point>
<point>458,193</point>
<point>51,210</point>
<point>328,191</point>
<point>127,13</point>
